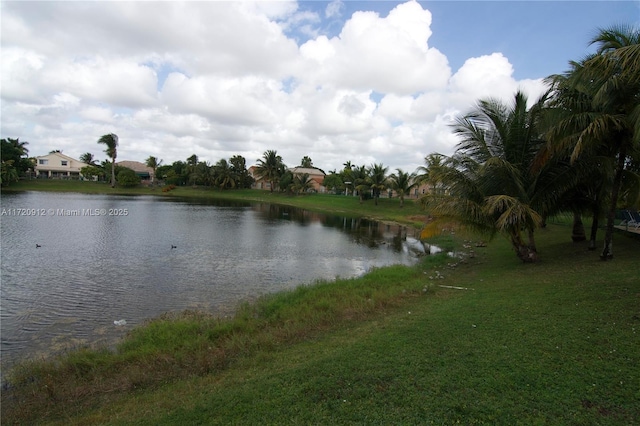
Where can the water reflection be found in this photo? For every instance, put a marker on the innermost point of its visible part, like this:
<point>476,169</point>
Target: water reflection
<point>92,270</point>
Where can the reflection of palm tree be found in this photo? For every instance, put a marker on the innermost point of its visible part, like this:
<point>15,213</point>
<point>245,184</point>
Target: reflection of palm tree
<point>402,182</point>
<point>270,167</point>
<point>111,141</point>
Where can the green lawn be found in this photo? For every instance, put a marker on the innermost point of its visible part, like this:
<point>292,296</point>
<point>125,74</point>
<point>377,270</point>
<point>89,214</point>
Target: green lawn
<point>386,210</point>
<point>557,342</point>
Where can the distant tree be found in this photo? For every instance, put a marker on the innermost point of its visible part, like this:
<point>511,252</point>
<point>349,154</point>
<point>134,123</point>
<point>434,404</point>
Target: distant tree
<point>377,180</point>
<point>402,182</point>
<point>285,181</point>
<point>92,171</point>
<point>192,169</point>
<point>333,181</point>
<point>302,183</point>
<point>8,173</point>
<point>153,163</point>
<point>55,151</point>
<point>361,182</point>
<point>429,173</point>
<point>225,177</point>
<point>270,167</point>
<point>17,152</point>
<point>239,167</point>
<point>111,141</point>
<point>88,158</point>
<point>128,178</point>
<point>306,162</point>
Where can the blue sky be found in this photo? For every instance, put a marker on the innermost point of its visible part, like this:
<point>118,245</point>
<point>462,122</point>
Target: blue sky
<point>360,81</point>
<point>539,37</point>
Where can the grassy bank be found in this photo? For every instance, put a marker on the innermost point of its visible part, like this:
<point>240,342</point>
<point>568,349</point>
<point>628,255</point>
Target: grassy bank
<point>550,343</point>
<point>386,210</point>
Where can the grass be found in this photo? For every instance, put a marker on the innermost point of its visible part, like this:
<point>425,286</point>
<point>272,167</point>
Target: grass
<point>388,209</point>
<point>555,342</point>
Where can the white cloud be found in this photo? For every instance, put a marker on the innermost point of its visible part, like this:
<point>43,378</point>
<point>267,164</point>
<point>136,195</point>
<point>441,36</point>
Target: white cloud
<point>218,79</point>
<point>334,9</point>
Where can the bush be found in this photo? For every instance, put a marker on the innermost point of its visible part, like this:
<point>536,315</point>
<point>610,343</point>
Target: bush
<point>127,178</point>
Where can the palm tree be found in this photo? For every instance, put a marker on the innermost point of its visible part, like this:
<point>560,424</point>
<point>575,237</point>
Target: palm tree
<point>192,169</point>
<point>402,182</point>
<point>496,180</point>
<point>306,162</point>
<point>270,167</point>
<point>224,175</point>
<point>361,181</point>
<point>608,121</point>
<point>301,183</point>
<point>111,141</point>
<point>239,168</point>
<point>377,180</point>
<point>429,172</point>
<point>88,158</point>
<point>153,163</point>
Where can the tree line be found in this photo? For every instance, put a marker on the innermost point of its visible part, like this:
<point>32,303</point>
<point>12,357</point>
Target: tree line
<point>576,149</point>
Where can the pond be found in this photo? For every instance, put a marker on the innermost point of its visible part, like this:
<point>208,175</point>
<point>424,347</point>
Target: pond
<point>73,264</point>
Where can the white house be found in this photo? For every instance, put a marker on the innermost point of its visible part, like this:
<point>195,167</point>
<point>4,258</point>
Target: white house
<point>58,165</point>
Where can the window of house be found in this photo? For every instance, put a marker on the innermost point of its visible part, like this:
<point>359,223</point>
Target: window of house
<point>43,161</point>
<point>63,162</point>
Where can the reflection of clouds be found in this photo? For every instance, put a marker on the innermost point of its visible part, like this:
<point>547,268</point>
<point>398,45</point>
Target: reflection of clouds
<point>92,271</point>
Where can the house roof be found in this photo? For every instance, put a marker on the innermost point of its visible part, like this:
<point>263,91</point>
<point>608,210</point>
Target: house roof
<point>60,155</point>
<point>308,170</point>
<point>136,166</point>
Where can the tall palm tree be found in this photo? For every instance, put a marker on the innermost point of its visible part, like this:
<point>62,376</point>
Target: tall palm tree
<point>193,173</point>
<point>402,182</point>
<point>496,180</point>
<point>111,141</point>
<point>306,162</point>
<point>153,163</point>
<point>270,167</point>
<point>608,122</point>
<point>378,180</point>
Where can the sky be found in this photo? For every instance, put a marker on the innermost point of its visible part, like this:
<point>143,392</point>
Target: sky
<point>368,82</point>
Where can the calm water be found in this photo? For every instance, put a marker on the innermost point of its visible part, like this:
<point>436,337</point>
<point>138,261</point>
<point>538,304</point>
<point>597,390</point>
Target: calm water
<point>108,258</point>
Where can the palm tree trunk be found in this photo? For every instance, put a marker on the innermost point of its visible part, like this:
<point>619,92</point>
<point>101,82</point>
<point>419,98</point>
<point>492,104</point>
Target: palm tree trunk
<point>578,233</point>
<point>113,173</point>
<point>525,252</point>
<point>607,251</point>
<point>594,228</point>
